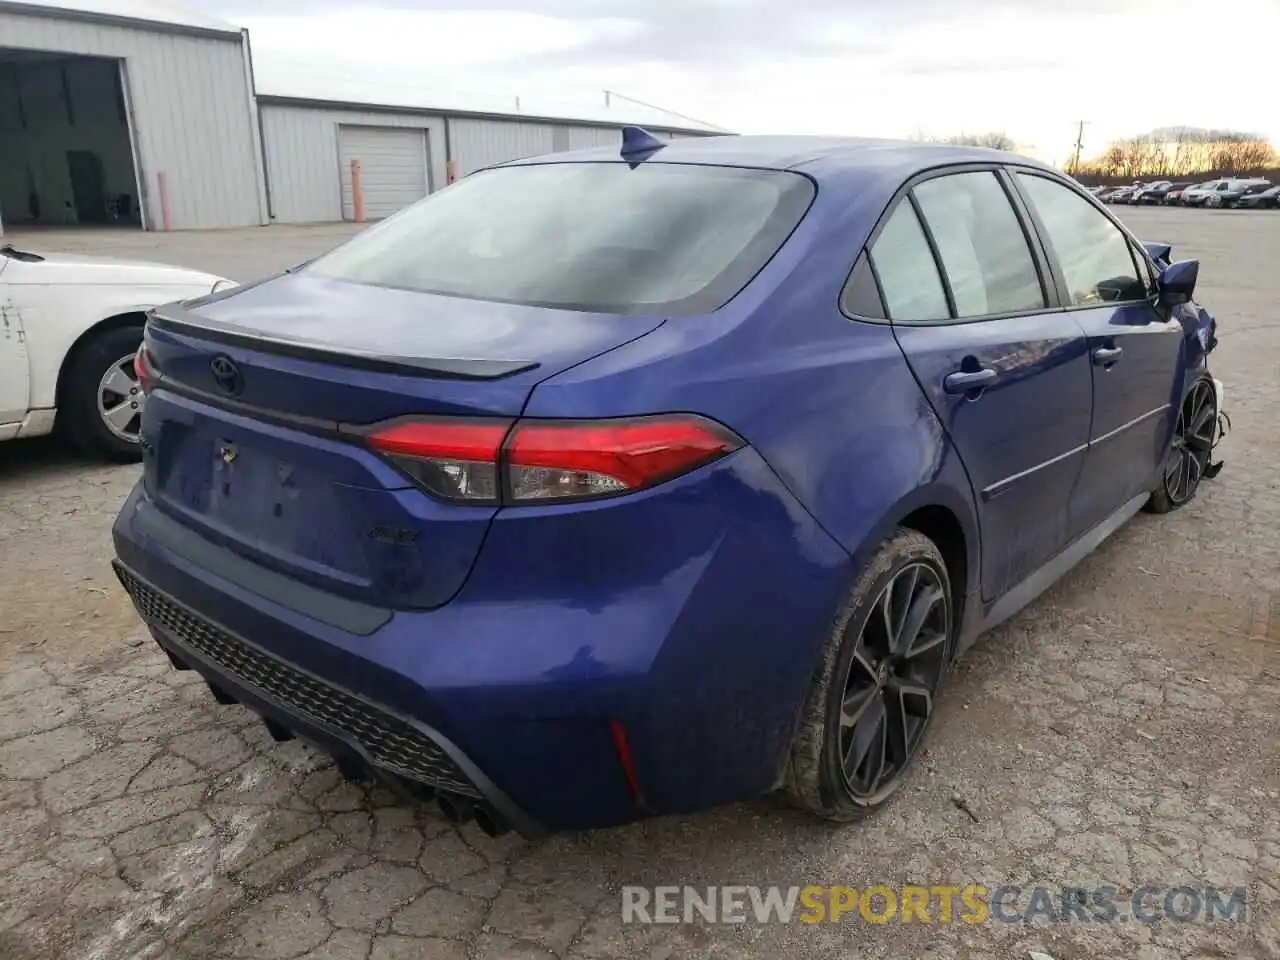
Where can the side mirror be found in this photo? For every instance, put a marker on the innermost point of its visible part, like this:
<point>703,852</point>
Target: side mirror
<point>1177,282</point>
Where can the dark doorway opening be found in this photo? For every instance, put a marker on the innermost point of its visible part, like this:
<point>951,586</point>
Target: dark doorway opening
<point>66,153</point>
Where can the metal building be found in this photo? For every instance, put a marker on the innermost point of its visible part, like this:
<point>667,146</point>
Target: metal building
<point>312,131</point>
<point>138,112</point>
<point>125,110</point>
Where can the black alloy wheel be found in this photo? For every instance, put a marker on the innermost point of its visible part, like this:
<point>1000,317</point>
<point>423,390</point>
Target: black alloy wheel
<point>893,675</point>
<point>878,676</point>
<point>1189,452</point>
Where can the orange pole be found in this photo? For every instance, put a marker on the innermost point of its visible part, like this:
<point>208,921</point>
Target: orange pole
<point>166,216</point>
<point>357,192</point>
<point>451,171</point>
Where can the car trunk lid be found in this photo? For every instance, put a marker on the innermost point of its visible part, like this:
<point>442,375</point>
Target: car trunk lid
<point>248,439</point>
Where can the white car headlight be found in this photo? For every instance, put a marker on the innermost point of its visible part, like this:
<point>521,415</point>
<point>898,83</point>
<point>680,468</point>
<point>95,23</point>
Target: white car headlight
<point>221,285</point>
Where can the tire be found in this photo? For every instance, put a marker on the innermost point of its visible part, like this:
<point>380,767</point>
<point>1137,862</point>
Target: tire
<point>1189,450</point>
<point>824,745</point>
<point>84,375</point>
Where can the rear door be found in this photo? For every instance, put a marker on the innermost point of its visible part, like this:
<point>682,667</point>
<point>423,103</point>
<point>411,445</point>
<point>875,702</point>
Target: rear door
<point>1006,372</point>
<point>1108,287</point>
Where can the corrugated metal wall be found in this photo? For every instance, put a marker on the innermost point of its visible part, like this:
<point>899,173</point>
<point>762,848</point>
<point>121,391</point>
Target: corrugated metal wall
<point>301,146</point>
<point>192,113</point>
<point>306,177</point>
<point>482,143</point>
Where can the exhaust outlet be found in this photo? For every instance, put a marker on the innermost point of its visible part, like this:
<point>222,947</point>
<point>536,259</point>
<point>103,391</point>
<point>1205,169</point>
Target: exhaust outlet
<point>455,809</point>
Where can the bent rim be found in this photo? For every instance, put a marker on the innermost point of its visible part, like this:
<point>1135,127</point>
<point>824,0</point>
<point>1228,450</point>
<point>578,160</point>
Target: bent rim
<point>1192,443</point>
<point>121,400</point>
<point>893,676</point>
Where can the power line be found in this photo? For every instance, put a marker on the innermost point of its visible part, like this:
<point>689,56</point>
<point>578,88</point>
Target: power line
<point>609,94</point>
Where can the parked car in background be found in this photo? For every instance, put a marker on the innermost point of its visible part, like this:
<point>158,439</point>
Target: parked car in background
<point>1122,194</point>
<point>1260,200</point>
<point>1235,190</point>
<point>1173,196</point>
<point>1218,193</point>
<point>1195,196</point>
<point>610,483</point>
<point>1151,192</point>
<point>72,325</point>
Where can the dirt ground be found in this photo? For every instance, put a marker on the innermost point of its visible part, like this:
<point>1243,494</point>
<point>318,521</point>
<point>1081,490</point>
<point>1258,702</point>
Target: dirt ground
<point>1121,730</point>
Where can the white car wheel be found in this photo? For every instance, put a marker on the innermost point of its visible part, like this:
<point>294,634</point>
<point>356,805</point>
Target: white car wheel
<point>120,400</point>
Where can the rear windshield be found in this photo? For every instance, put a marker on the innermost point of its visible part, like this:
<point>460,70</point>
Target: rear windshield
<point>602,237</point>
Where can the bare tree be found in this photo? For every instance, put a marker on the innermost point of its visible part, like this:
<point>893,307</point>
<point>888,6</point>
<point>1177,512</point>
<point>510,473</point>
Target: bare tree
<point>1243,154</point>
<point>1183,152</point>
<point>994,140</point>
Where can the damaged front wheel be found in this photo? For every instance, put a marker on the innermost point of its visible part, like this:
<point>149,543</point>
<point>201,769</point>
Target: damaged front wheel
<point>1188,460</point>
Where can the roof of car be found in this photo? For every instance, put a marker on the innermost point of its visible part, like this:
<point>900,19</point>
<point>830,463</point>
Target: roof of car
<point>795,152</point>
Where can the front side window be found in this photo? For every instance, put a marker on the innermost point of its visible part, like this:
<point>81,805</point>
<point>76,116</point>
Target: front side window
<point>1092,251</point>
<point>905,267</point>
<point>675,239</point>
<point>982,246</point>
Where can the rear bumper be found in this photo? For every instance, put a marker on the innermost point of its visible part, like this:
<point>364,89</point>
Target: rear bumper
<point>691,614</point>
<point>363,736</point>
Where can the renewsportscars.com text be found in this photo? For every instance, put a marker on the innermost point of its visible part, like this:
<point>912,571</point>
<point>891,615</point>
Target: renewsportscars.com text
<point>938,904</point>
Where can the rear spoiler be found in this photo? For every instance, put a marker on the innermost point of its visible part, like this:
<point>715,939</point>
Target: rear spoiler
<point>175,319</point>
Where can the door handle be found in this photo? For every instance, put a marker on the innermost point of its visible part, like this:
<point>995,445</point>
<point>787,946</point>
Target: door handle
<point>962,381</point>
<point>1105,356</point>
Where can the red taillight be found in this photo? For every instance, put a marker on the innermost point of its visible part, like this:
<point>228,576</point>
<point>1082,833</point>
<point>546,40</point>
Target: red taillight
<point>454,459</point>
<point>142,369</point>
<point>558,461</point>
<point>468,460</point>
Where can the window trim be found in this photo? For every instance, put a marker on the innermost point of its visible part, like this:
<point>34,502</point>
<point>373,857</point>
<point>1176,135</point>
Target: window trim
<point>905,193</point>
<point>933,253</point>
<point>938,263</point>
<point>1059,277</point>
<point>863,267</point>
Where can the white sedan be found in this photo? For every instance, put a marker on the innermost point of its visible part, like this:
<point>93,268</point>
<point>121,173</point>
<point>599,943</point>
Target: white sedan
<point>69,327</point>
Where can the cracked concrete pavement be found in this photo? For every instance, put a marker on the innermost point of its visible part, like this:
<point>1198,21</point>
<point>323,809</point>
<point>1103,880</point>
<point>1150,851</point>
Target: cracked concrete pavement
<point>1123,730</point>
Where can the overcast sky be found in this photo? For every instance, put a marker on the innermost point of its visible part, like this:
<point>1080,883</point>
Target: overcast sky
<point>1031,68</point>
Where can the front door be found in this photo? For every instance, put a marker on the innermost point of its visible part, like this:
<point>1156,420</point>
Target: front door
<point>14,375</point>
<point>1134,350</point>
<point>1006,373</point>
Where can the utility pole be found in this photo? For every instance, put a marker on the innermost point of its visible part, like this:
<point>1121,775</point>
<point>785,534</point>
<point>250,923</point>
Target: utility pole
<point>1075,162</point>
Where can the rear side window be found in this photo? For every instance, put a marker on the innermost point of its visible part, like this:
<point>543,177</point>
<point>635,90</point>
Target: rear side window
<point>906,270</point>
<point>1094,255</point>
<point>983,248</point>
<point>600,237</point>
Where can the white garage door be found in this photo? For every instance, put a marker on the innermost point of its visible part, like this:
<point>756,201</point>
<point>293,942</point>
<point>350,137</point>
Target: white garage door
<point>393,168</point>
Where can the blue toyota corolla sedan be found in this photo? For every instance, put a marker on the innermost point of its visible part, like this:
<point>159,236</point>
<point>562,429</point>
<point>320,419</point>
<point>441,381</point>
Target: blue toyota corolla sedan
<point>630,482</point>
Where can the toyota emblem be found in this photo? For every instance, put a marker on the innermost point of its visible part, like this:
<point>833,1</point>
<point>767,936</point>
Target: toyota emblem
<point>226,374</point>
